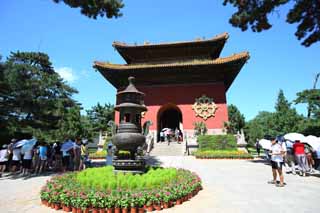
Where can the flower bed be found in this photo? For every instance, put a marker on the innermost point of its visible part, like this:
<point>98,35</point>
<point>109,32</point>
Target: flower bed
<point>222,154</point>
<point>100,189</point>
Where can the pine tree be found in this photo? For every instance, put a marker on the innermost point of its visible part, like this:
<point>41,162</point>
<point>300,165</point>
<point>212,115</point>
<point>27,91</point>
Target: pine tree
<point>95,8</point>
<point>236,120</point>
<point>35,96</point>
<point>255,14</point>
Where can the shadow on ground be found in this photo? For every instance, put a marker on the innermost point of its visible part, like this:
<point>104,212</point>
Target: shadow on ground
<point>260,160</point>
<point>17,176</point>
<point>152,161</point>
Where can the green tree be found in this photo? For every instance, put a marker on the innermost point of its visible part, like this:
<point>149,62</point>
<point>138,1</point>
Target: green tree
<point>311,97</point>
<point>286,118</point>
<point>95,8</point>
<point>99,117</point>
<point>34,96</point>
<point>200,128</point>
<point>255,14</point>
<point>236,120</point>
<point>263,124</point>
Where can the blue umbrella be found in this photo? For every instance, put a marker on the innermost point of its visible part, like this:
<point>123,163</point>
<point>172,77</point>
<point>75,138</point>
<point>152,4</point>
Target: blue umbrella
<point>67,146</point>
<point>20,143</point>
<point>29,145</point>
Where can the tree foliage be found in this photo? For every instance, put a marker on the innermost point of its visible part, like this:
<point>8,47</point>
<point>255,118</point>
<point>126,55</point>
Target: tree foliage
<point>284,120</point>
<point>311,97</point>
<point>95,8</point>
<point>34,95</point>
<point>100,115</point>
<point>200,128</point>
<point>236,120</point>
<point>254,14</point>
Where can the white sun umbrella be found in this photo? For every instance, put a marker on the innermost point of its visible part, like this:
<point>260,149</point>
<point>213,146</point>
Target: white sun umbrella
<point>294,136</point>
<point>313,141</point>
<point>265,144</point>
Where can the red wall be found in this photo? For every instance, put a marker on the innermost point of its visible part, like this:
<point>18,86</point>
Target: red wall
<point>183,96</point>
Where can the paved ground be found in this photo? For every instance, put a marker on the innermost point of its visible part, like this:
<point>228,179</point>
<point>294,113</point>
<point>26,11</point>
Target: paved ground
<point>229,186</point>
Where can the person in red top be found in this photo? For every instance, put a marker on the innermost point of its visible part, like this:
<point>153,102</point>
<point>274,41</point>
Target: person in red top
<point>298,150</point>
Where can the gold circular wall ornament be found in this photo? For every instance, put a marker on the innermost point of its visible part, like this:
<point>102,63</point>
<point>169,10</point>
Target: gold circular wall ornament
<point>204,107</point>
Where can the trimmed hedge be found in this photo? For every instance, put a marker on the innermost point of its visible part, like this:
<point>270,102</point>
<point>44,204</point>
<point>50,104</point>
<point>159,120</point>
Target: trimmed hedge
<point>221,154</point>
<point>217,142</point>
<point>103,153</point>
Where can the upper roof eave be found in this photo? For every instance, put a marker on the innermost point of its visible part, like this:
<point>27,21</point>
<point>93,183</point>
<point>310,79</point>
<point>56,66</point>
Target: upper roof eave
<point>224,36</point>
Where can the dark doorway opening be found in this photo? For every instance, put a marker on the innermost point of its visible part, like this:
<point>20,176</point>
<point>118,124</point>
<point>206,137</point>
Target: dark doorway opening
<point>169,116</point>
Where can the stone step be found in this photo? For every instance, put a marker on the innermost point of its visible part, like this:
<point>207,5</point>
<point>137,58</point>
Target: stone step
<point>163,149</point>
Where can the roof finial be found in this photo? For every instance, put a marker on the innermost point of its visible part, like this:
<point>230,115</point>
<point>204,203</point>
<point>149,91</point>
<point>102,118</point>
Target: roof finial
<point>131,79</point>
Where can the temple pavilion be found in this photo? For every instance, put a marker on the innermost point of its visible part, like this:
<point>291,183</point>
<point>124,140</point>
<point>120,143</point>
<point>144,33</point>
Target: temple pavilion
<point>184,82</point>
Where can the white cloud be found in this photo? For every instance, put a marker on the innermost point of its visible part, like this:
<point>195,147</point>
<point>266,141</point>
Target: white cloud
<point>67,74</point>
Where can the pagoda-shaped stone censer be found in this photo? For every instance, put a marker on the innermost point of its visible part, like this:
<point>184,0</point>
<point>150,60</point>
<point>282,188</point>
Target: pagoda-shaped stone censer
<point>128,137</point>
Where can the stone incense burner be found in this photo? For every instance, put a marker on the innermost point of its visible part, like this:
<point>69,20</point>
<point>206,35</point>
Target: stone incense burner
<point>128,137</point>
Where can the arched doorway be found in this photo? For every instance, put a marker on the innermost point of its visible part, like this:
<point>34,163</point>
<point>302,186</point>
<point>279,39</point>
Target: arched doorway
<point>169,116</point>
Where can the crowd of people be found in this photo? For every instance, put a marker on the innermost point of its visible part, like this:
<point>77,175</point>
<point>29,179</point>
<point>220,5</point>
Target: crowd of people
<point>298,158</point>
<point>168,135</point>
<point>42,157</point>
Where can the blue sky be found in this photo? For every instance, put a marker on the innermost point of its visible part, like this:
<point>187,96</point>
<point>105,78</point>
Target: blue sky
<point>74,41</point>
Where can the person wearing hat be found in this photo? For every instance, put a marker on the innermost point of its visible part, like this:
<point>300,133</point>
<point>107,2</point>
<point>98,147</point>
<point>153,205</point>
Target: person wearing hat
<point>3,158</point>
<point>276,162</point>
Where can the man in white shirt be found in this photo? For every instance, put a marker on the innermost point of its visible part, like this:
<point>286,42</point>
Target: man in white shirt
<point>276,162</point>
<point>16,158</point>
<point>27,160</point>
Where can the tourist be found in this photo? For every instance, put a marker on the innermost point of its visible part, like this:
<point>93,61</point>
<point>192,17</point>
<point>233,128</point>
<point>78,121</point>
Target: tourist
<point>298,149</point>
<point>180,136</point>
<point>4,154</point>
<point>176,134</point>
<point>76,154</point>
<point>289,161</point>
<point>258,147</point>
<point>57,157</point>
<point>36,158</point>
<point>65,160</point>
<point>16,158</point>
<point>43,155</point>
<point>84,155</point>
<point>109,156</point>
<point>276,162</point>
<point>27,160</point>
<point>310,161</point>
<point>161,136</point>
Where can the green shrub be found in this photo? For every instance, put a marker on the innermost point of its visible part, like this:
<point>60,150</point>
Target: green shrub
<point>104,178</point>
<point>217,142</point>
<point>102,154</point>
<point>218,154</point>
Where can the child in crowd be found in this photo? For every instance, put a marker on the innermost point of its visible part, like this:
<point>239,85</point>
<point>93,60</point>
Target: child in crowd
<point>3,159</point>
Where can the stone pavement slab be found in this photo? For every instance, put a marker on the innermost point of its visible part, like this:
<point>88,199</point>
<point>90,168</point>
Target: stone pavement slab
<point>229,186</point>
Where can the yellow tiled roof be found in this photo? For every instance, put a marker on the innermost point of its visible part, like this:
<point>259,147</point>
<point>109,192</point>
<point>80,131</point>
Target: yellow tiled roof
<point>223,36</point>
<point>234,57</point>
